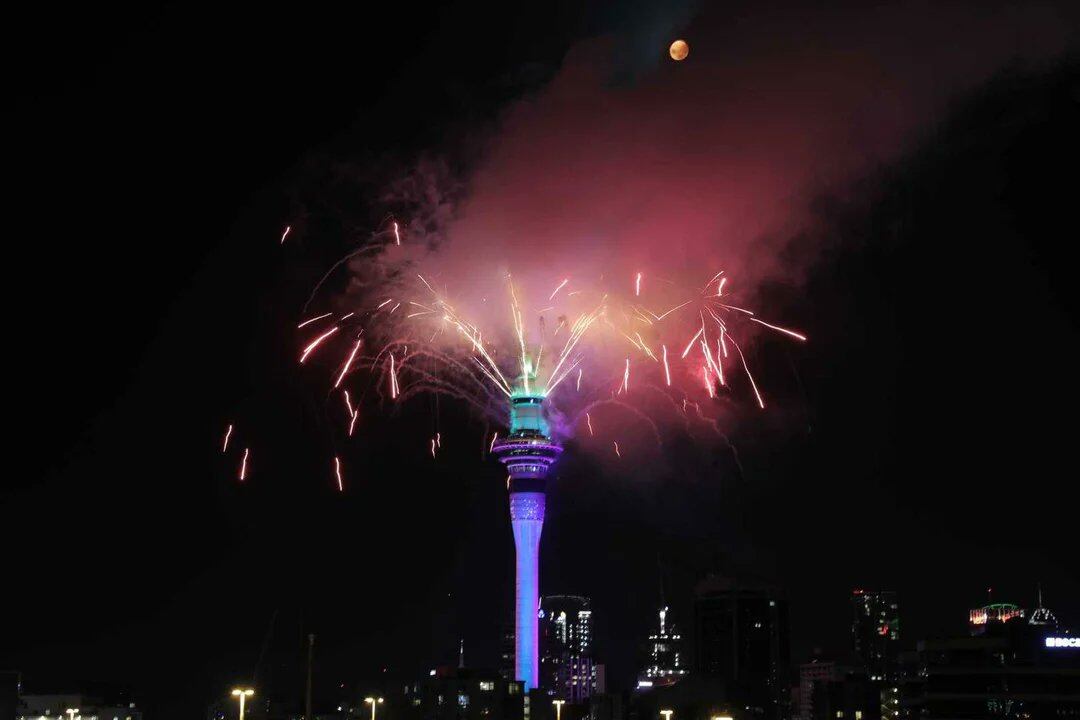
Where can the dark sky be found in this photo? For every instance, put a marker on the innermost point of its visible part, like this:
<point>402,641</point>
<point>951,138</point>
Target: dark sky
<point>922,441</point>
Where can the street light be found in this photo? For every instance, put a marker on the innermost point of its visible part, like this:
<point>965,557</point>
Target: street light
<point>373,702</point>
<point>667,714</point>
<point>558,708</point>
<point>242,694</point>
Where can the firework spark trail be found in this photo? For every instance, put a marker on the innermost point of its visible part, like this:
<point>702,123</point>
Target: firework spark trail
<point>710,363</point>
<point>792,333</point>
<point>667,370</point>
<point>626,377</point>
<point>616,443</point>
<point>397,235</point>
<point>494,437</point>
<point>285,234</point>
<point>352,422</point>
<point>578,389</point>
<point>588,421</point>
<point>314,319</point>
<point>637,285</point>
<point>556,290</point>
<point>244,465</point>
<point>349,362</point>
<point>393,378</point>
<point>761,403</point>
<point>228,434</point>
<point>315,343</point>
<point>719,364</point>
<point>337,474</point>
<point>690,344</point>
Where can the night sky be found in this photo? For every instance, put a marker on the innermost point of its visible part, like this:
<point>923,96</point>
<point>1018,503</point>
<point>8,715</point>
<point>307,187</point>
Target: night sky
<point>922,441</point>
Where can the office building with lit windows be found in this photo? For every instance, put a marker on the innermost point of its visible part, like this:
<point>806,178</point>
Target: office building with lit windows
<point>567,668</point>
<point>666,663</point>
<point>464,694</point>
<point>875,635</point>
<point>875,632</point>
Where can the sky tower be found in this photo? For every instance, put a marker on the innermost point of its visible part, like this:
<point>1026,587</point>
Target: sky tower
<point>528,452</point>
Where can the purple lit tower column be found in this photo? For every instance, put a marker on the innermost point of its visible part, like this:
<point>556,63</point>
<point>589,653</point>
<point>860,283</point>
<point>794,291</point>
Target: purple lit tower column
<point>527,452</point>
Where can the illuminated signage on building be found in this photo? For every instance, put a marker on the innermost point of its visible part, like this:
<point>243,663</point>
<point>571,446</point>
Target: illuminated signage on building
<point>1063,642</point>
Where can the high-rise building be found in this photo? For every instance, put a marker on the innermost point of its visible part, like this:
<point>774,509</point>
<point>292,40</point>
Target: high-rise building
<point>811,675</point>
<point>875,632</point>
<point>741,639</point>
<point>567,669</point>
<point>1010,669</point>
<point>666,663</point>
<point>527,452</point>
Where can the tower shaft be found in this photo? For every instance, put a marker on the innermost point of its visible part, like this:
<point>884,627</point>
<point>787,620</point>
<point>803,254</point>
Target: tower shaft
<point>527,453</point>
<point>527,520</point>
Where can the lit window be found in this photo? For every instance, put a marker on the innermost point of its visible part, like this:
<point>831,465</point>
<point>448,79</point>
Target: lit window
<point>487,685</point>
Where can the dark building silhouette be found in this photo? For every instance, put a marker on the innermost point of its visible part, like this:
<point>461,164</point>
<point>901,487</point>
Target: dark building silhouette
<point>875,632</point>
<point>464,694</point>
<point>851,694</point>
<point>506,650</point>
<point>1011,666</point>
<point>9,694</point>
<point>875,635</point>
<point>741,640</point>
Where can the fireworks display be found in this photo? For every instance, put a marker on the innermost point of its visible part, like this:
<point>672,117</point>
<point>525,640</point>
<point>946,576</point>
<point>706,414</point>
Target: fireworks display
<point>576,342</point>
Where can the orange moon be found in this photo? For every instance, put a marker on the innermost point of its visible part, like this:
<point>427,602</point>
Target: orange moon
<point>679,50</point>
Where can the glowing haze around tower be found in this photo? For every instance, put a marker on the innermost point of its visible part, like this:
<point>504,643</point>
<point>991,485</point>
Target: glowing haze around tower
<point>528,452</point>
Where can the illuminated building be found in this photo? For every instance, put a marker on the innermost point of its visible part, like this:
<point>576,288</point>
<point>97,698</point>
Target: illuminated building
<point>528,452</point>
<point>1011,671</point>
<point>875,631</point>
<point>667,664</point>
<point>567,670</point>
<point>989,617</point>
<point>464,694</point>
<point>741,639</point>
<point>75,707</point>
<point>1041,615</point>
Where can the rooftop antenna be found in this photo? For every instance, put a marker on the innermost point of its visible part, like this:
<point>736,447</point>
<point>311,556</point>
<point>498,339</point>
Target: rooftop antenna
<point>660,572</point>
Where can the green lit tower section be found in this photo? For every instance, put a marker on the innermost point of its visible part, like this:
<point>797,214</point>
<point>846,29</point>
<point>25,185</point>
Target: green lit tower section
<point>528,452</point>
